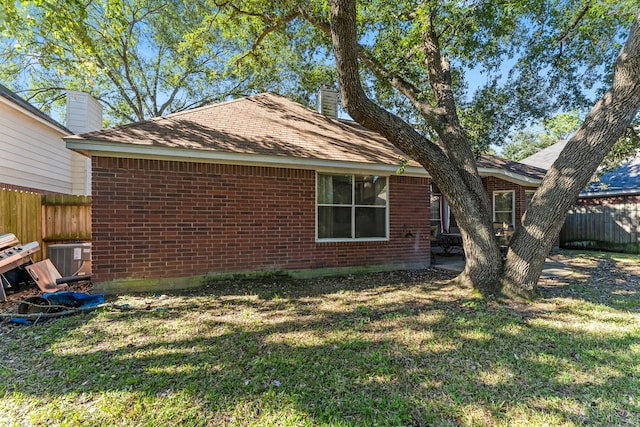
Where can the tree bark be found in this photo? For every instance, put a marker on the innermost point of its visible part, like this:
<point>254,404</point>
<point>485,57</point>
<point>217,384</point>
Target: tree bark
<point>451,164</point>
<point>573,169</point>
<point>453,170</point>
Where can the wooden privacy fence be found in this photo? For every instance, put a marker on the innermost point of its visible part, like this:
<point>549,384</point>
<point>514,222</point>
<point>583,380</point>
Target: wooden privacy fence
<point>47,219</point>
<point>611,224</point>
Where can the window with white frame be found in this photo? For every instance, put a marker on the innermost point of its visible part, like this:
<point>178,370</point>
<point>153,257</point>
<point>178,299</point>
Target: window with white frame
<point>504,207</point>
<point>351,206</point>
<point>435,207</point>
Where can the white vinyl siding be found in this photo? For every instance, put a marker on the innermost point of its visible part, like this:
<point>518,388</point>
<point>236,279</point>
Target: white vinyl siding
<point>34,154</point>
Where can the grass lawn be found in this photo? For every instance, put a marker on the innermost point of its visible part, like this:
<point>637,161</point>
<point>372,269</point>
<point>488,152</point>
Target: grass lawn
<point>382,349</point>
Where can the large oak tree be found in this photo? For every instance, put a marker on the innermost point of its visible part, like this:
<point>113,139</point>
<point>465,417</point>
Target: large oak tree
<point>404,67</point>
<point>450,160</point>
<point>139,58</point>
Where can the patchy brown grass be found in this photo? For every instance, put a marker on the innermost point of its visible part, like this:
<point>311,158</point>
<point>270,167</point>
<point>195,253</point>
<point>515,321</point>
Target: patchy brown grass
<point>399,348</point>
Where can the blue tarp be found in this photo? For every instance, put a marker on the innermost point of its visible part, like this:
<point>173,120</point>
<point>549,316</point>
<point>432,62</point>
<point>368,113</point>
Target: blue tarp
<point>74,299</point>
<point>67,299</point>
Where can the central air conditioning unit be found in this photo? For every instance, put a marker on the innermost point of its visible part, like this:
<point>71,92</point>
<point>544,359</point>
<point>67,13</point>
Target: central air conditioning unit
<point>71,259</point>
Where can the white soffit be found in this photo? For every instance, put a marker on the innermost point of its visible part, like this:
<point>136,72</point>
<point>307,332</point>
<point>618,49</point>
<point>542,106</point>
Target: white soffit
<point>110,149</point>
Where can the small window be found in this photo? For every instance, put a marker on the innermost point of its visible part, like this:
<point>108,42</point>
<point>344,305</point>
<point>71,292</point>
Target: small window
<point>351,207</point>
<point>504,207</point>
<point>435,207</point>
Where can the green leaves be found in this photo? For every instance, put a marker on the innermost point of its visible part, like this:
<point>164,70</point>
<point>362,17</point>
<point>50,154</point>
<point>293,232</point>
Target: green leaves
<point>141,58</point>
<point>145,58</point>
<point>509,62</point>
<point>526,142</point>
<point>627,147</point>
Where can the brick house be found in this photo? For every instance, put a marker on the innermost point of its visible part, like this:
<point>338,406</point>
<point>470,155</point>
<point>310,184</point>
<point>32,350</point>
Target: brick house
<point>259,184</point>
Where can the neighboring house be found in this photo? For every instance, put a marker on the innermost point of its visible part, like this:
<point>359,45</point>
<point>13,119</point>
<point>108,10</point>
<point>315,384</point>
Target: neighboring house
<point>261,184</point>
<point>606,215</point>
<point>624,180</point>
<point>544,158</point>
<point>33,155</point>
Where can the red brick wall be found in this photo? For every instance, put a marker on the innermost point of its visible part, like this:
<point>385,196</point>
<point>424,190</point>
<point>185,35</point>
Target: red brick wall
<point>492,184</point>
<point>165,219</point>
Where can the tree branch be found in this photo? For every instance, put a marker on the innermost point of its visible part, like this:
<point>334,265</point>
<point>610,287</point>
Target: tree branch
<point>127,65</point>
<point>408,89</point>
<point>562,37</point>
<point>359,106</point>
<point>277,24</point>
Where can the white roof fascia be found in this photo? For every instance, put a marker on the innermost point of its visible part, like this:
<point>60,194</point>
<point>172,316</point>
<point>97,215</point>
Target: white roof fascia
<point>33,116</point>
<point>110,149</point>
<point>510,176</point>
<point>106,149</point>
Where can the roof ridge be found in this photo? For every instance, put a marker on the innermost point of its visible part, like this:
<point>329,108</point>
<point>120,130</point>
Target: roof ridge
<point>172,115</point>
<point>16,99</point>
<point>188,111</point>
<point>203,107</point>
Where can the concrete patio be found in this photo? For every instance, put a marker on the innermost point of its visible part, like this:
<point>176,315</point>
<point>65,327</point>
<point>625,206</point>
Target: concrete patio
<point>455,262</point>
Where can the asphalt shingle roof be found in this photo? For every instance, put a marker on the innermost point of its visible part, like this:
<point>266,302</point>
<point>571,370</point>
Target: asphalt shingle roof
<point>488,161</point>
<point>544,158</point>
<point>623,179</point>
<point>269,124</point>
<point>266,124</point>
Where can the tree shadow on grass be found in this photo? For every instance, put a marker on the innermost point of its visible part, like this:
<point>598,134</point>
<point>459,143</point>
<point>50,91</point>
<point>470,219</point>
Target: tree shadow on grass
<point>282,285</point>
<point>604,281</point>
<point>412,354</point>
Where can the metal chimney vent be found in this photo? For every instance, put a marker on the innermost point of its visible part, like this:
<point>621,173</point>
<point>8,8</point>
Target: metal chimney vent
<point>328,102</point>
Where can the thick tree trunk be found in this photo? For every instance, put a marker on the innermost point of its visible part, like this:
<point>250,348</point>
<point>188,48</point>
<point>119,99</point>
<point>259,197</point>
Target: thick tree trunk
<point>577,163</point>
<point>483,263</point>
<point>451,164</point>
<point>453,169</point>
